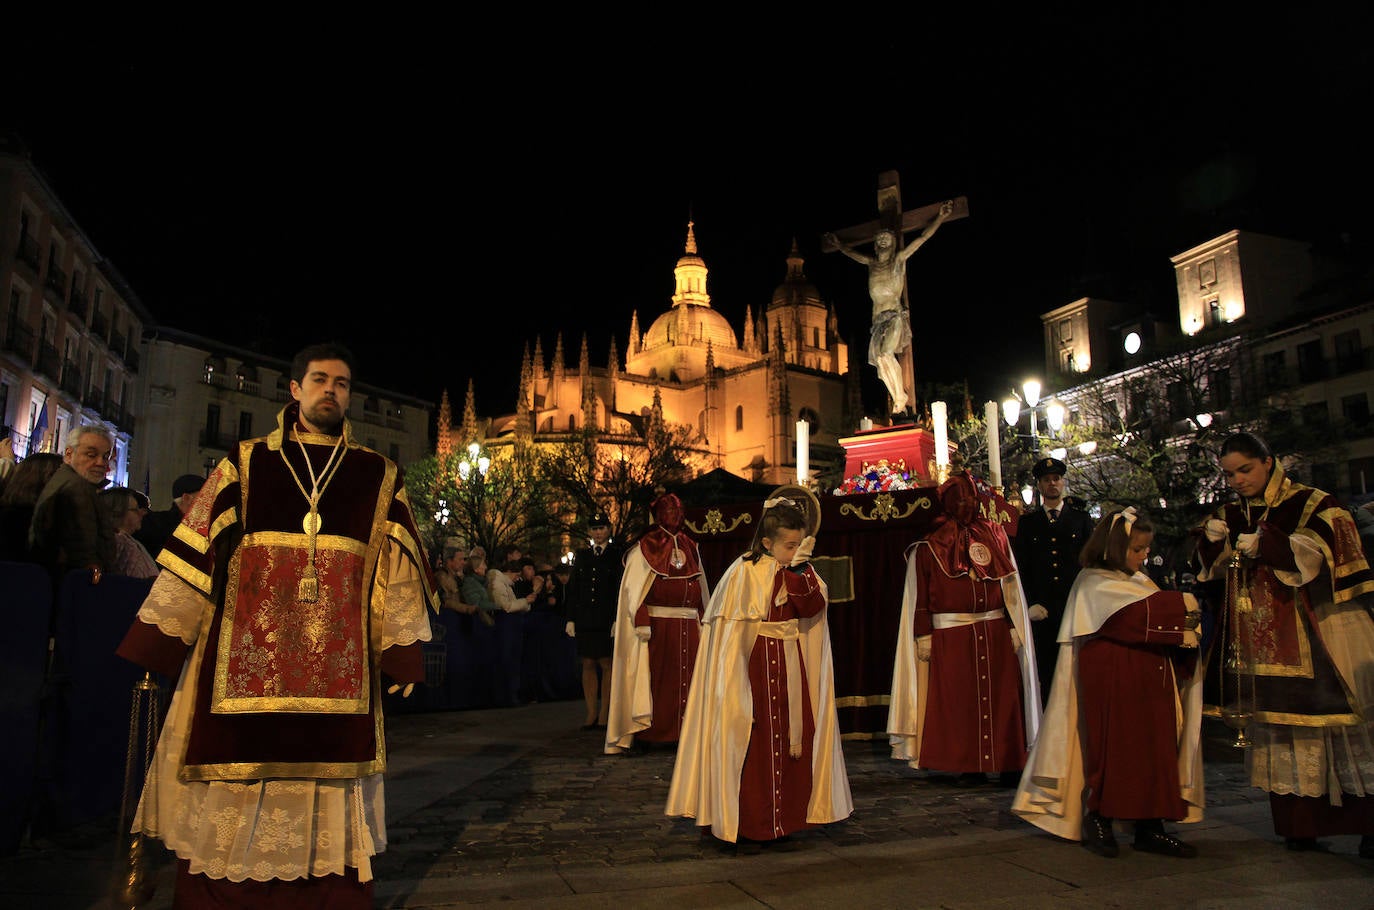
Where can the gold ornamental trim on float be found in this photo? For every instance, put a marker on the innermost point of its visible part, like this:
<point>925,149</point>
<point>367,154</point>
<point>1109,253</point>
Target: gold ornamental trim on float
<point>715,523</point>
<point>885,509</point>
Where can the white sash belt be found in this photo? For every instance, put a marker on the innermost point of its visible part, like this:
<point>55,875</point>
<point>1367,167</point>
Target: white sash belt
<point>674,612</point>
<point>954,620</point>
<point>787,632</point>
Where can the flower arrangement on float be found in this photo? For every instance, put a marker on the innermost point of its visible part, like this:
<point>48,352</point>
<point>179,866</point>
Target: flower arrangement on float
<point>880,477</point>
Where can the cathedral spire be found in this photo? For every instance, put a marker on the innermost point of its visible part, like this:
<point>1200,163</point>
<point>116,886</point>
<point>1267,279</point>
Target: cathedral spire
<point>632,348</point>
<point>584,371</point>
<point>655,429</point>
<point>612,372</point>
<point>524,404</point>
<point>445,443</point>
<point>470,415</point>
<point>525,399</point>
<point>779,400</point>
<point>539,368</point>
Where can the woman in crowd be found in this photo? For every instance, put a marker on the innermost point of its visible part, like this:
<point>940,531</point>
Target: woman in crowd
<point>126,516</point>
<point>1312,638</point>
<point>17,499</point>
<point>1123,721</point>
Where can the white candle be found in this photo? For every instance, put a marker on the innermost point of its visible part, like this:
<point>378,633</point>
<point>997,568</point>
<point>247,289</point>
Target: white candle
<point>990,416</point>
<point>803,451</point>
<point>865,423</point>
<point>938,414</point>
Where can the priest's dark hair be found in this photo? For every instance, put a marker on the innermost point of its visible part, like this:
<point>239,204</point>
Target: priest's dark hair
<point>326,350</point>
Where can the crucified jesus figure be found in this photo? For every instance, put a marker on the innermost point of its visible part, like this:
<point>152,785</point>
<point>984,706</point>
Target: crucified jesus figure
<point>891,332</point>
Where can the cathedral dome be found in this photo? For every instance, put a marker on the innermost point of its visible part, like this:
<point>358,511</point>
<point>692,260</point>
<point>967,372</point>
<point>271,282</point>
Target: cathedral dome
<point>691,325</point>
<point>795,288</point>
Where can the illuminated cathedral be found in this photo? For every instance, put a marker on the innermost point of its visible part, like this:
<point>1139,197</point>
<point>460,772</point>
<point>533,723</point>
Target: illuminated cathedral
<point>742,394</point>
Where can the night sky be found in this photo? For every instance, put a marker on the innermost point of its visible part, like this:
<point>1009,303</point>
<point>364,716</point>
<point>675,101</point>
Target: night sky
<point>469,189</point>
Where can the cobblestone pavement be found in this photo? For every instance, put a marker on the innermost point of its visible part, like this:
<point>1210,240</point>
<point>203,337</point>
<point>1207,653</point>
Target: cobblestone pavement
<point>565,806</point>
<point>519,802</point>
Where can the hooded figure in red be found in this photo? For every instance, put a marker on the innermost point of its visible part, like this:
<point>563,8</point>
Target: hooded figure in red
<point>657,631</point>
<point>965,697</point>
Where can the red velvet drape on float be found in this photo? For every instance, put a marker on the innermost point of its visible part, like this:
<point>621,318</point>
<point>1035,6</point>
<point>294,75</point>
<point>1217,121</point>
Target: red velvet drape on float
<point>861,553</point>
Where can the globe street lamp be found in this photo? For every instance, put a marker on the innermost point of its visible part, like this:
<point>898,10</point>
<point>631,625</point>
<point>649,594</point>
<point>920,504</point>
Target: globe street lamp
<point>1030,393</point>
<point>473,460</point>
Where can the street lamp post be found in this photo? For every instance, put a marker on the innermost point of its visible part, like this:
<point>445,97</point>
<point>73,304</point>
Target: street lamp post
<point>1054,420</point>
<point>1030,393</point>
<point>473,490</point>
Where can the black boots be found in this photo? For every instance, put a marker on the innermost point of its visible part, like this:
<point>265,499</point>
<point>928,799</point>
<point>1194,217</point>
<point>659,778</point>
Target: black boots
<point>1097,835</point>
<point>1150,837</point>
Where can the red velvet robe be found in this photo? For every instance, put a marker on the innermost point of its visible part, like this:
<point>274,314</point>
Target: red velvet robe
<point>975,709</point>
<point>1128,676</point>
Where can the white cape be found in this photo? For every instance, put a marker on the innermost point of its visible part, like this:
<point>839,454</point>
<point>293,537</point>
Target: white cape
<point>715,733</point>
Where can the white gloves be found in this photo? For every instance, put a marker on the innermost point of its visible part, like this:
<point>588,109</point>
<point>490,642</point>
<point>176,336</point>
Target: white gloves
<point>1248,544</point>
<point>804,551</point>
<point>1038,611</point>
<point>642,632</point>
<point>396,687</point>
<point>1015,639</point>
<point>569,629</point>
<point>1215,529</point>
<point>923,648</point>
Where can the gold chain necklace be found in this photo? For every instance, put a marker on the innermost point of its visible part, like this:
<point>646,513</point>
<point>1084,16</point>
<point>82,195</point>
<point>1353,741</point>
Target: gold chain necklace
<point>308,588</point>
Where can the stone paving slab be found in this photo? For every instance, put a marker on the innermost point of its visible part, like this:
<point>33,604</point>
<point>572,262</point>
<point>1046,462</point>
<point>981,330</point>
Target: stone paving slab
<point>518,807</point>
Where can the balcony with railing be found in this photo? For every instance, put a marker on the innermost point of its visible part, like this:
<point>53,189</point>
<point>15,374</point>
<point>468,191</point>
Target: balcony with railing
<point>29,253</point>
<point>71,378</point>
<point>1347,362</point>
<point>121,418</point>
<point>19,341</point>
<point>56,282</point>
<point>49,361</point>
<point>77,304</point>
<point>1276,376</point>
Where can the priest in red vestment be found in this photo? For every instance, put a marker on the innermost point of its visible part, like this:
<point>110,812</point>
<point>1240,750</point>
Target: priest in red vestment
<point>663,593</point>
<point>1311,694</point>
<point>294,584</point>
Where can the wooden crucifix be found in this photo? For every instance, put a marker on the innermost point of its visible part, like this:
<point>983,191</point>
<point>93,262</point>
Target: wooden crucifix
<point>890,341</point>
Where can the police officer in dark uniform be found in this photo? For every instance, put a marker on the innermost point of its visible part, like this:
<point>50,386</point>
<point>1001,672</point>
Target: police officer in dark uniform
<point>1048,540</point>
<point>592,596</point>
